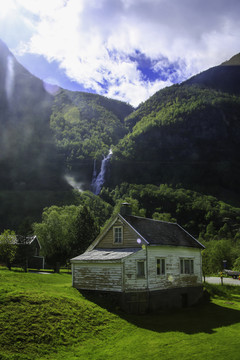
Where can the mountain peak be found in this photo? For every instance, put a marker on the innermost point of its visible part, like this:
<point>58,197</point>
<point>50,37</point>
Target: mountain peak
<point>235,60</point>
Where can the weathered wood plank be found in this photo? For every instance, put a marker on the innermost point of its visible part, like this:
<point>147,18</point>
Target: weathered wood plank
<point>98,277</point>
<point>129,238</point>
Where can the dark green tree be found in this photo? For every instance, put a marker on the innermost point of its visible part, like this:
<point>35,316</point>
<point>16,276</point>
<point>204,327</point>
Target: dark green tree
<point>8,247</point>
<point>86,230</point>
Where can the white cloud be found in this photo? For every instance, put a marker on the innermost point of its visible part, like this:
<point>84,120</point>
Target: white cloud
<point>93,39</point>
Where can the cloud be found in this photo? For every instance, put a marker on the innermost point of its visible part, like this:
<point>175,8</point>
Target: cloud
<point>96,41</point>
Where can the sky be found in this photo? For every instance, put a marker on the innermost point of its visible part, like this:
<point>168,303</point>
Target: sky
<point>122,49</point>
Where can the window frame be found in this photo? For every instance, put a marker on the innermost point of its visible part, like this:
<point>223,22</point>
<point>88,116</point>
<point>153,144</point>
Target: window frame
<point>186,266</point>
<point>141,275</point>
<point>161,266</point>
<point>117,237</point>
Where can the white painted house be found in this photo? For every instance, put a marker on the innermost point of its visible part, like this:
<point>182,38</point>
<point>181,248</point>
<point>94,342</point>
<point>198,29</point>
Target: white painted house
<point>146,264</point>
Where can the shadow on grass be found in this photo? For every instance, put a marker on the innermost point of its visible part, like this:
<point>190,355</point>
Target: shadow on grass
<point>203,318</point>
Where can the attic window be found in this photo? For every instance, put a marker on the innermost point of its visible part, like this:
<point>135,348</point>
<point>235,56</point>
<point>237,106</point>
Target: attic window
<point>118,235</point>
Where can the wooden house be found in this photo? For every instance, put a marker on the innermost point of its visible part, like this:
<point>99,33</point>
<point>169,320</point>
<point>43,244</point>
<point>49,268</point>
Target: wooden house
<point>28,252</point>
<point>146,264</point>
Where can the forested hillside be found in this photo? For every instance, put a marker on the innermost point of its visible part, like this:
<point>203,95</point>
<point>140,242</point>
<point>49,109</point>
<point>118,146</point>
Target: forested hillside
<point>176,149</point>
<point>185,134</point>
<point>43,135</point>
<point>86,125</point>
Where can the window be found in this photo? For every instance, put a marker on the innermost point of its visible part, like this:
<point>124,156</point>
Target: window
<point>118,235</point>
<point>186,266</point>
<point>160,266</point>
<point>141,268</point>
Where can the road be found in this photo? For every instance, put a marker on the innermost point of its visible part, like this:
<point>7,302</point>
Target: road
<point>226,281</point>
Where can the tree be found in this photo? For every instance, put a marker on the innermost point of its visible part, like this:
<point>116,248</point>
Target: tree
<point>86,230</point>
<point>163,217</point>
<point>216,251</point>
<point>65,232</point>
<point>8,247</point>
<point>56,233</point>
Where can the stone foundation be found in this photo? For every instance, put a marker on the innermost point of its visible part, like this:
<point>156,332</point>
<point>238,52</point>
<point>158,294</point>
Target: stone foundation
<point>148,301</point>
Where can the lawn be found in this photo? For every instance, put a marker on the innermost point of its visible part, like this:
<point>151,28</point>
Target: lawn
<point>43,317</point>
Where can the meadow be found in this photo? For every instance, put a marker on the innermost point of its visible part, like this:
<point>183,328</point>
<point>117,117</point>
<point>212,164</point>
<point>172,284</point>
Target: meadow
<point>43,317</point>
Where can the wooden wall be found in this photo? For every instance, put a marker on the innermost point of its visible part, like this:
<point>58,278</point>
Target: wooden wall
<point>172,277</point>
<point>129,238</point>
<point>97,276</point>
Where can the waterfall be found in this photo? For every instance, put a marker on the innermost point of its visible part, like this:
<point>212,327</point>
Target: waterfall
<point>98,180</point>
<point>9,81</point>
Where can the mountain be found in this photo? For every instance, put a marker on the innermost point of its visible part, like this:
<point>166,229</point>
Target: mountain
<point>235,60</point>
<point>28,156</point>
<point>225,77</point>
<point>85,126</point>
<point>43,135</point>
<point>186,134</point>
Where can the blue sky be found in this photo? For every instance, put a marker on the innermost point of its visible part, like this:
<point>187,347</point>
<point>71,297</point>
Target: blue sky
<point>123,49</point>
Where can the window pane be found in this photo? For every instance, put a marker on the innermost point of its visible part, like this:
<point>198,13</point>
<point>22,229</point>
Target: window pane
<point>118,235</point>
<point>140,268</point>
<point>192,268</point>
<point>163,267</point>
<point>181,266</point>
<point>187,266</point>
<point>158,266</point>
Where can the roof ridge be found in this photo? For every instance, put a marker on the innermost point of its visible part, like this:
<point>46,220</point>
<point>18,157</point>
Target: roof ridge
<point>146,218</point>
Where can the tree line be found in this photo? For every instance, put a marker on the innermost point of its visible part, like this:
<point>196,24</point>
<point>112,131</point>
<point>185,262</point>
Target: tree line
<point>66,231</point>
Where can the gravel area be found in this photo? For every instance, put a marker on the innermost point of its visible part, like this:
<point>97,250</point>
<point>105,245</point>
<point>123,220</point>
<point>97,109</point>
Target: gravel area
<point>226,281</point>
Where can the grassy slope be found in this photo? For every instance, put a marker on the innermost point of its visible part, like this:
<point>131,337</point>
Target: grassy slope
<point>43,317</point>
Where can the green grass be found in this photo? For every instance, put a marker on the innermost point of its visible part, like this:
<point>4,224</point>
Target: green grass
<point>43,317</point>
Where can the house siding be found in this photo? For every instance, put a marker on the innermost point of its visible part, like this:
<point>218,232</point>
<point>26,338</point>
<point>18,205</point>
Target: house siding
<point>172,277</point>
<point>131,279</point>
<point>106,269</point>
<point>97,276</point>
<point>129,238</point>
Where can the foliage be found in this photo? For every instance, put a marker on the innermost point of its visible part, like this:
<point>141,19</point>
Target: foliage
<point>174,104</point>
<point>100,209</point>
<point>183,134</point>
<point>163,217</point>
<point>203,216</point>
<point>86,230</point>
<point>236,265</point>
<point>8,247</point>
<point>86,125</point>
<point>64,231</point>
<point>215,252</point>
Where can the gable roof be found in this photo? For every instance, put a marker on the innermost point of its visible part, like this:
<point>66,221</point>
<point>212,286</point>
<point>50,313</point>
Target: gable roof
<point>156,232</point>
<point>152,232</point>
<point>26,240</point>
